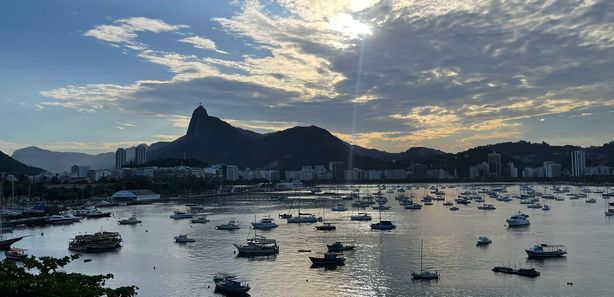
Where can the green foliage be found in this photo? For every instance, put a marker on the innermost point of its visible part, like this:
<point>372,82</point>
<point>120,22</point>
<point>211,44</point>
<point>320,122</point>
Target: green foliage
<point>40,277</point>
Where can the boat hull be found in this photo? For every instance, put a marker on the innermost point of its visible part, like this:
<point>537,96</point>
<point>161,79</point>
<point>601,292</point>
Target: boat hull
<point>6,244</point>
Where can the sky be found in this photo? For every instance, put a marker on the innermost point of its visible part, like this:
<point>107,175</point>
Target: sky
<point>92,76</point>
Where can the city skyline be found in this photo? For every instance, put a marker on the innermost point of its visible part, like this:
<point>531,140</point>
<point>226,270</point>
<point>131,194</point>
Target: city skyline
<point>444,75</point>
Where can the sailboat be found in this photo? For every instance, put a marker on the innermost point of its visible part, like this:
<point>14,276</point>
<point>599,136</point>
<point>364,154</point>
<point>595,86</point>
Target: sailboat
<point>383,225</point>
<point>325,226</point>
<point>425,275</point>
<point>302,218</point>
<point>5,244</point>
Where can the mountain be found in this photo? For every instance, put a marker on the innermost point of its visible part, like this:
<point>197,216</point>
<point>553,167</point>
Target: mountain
<point>62,161</point>
<point>12,166</point>
<point>212,140</point>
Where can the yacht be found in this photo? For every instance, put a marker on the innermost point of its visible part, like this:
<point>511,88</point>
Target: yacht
<point>258,246</point>
<point>132,220</point>
<point>180,215</point>
<point>487,207</point>
<point>199,219</point>
<point>328,259</point>
<point>92,212</point>
<point>546,207</point>
<point>591,200</point>
<point>302,218</point>
<point>518,219</point>
<point>361,216</point>
<point>326,227</point>
<point>424,275</point>
<point>381,207</point>
<point>454,208</point>
<point>97,242</point>
<point>448,203</point>
<point>266,223</point>
<point>229,283</point>
<point>197,207</point>
<point>383,225</point>
<point>413,206</point>
<point>535,205</point>
<point>231,225</point>
<point>483,240</point>
<point>546,251</point>
<point>183,238</point>
<point>340,207</point>
<point>339,247</point>
<point>16,254</point>
<point>504,198</point>
<point>65,218</point>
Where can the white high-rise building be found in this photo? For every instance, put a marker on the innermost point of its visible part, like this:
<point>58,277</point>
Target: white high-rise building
<point>140,154</point>
<point>120,158</point>
<point>552,169</point>
<point>578,163</point>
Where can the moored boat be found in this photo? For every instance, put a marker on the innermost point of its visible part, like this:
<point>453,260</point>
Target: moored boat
<point>183,238</point>
<point>518,219</point>
<point>16,254</point>
<point>266,223</point>
<point>231,225</point>
<point>483,240</point>
<point>546,251</point>
<point>229,283</point>
<point>328,259</point>
<point>361,216</point>
<point>132,220</point>
<point>97,242</point>
<point>180,215</point>
<point>339,247</point>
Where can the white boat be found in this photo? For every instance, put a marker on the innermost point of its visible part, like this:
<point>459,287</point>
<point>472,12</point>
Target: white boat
<point>381,207</point>
<point>183,238</point>
<point>66,218</point>
<point>132,220</point>
<point>546,251</point>
<point>231,225</point>
<point>340,207</point>
<point>258,246</point>
<point>199,219</point>
<point>266,223</point>
<point>535,205</point>
<point>591,200</point>
<point>361,216</point>
<point>487,207</point>
<point>546,207</point>
<point>483,240</point>
<point>518,219</point>
<point>504,198</point>
<point>302,218</point>
<point>180,215</point>
<point>16,254</point>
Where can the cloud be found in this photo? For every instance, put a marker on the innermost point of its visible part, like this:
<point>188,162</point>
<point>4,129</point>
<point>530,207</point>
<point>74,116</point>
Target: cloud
<point>444,73</point>
<point>202,43</point>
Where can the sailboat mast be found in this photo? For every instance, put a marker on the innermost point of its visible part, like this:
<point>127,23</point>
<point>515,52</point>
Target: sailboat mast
<point>421,252</point>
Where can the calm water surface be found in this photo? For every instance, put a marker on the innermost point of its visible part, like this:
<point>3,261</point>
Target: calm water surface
<point>380,265</point>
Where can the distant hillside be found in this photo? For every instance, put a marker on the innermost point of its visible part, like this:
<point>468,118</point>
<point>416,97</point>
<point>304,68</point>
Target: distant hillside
<point>58,162</point>
<point>12,166</point>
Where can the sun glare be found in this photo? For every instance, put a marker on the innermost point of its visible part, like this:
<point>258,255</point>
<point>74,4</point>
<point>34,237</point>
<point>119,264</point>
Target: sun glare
<point>350,27</point>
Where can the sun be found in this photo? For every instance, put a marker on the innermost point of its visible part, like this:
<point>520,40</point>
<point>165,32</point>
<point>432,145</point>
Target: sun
<point>348,26</point>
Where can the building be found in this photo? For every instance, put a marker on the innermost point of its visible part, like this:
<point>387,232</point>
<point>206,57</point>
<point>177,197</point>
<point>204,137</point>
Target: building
<point>477,171</point>
<point>395,174</point>
<point>512,170</point>
<point>140,154</point>
<point>232,173</point>
<point>120,158</point>
<point>552,169</point>
<point>337,169</point>
<point>135,195</point>
<point>418,171</point>
<point>494,165</point>
<point>578,163</point>
<point>74,171</point>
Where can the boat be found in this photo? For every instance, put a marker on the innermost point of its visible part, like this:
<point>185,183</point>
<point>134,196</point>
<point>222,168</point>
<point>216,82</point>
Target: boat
<point>383,225</point>
<point>339,247</point>
<point>284,215</point>
<point>530,272</point>
<point>486,207</point>
<point>462,201</point>
<point>266,223</point>
<point>591,200</point>
<point>91,212</point>
<point>229,283</point>
<point>518,219</point>
<point>97,242</point>
<point>546,251</point>
<point>546,207</point>
<point>199,219</point>
<point>180,215</point>
<point>361,216</point>
<point>413,206</point>
<point>483,240</point>
<point>258,246</point>
<point>132,220</point>
<point>424,275</point>
<point>326,227</point>
<point>340,207</point>
<point>231,225</point>
<point>535,205</point>
<point>302,218</point>
<point>5,244</point>
<point>65,218</point>
<point>454,208</point>
<point>381,207</point>
<point>328,259</point>
<point>16,254</point>
<point>196,207</point>
<point>448,203</point>
<point>183,238</point>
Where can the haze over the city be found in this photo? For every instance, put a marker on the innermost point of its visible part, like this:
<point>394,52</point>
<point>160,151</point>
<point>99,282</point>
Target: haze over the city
<point>92,76</point>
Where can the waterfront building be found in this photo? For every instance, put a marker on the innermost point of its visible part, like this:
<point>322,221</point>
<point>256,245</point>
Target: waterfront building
<point>494,165</point>
<point>135,195</point>
<point>552,169</point>
<point>337,169</point>
<point>578,163</point>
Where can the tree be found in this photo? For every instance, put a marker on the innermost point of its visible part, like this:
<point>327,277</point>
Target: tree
<point>48,282</point>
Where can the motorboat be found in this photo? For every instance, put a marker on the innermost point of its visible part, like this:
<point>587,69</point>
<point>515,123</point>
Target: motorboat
<point>504,198</point>
<point>454,208</point>
<point>383,225</point>
<point>535,205</point>
<point>361,216</point>
<point>462,201</point>
<point>424,275</point>
<point>546,251</point>
<point>197,207</point>
<point>132,220</point>
<point>381,207</point>
<point>448,203</point>
<point>483,240</point>
<point>518,219</point>
<point>266,223</point>
<point>285,215</point>
<point>5,244</point>
<point>183,238</point>
<point>591,200</point>
<point>339,247</point>
<point>258,246</point>
<point>98,242</point>
<point>229,283</point>
<point>66,217</point>
<point>328,259</point>
<point>199,219</point>
<point>546,207</point>
<point>487,207</point>
<point>180,215</point>
<point>302,218</point>
<point>92,212</point>
<point>16,254</point>
<point>340,207</point>
<point>231,225</point>
<point>609,212</point>
<point>413,206</point>
<point>326,227</point>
